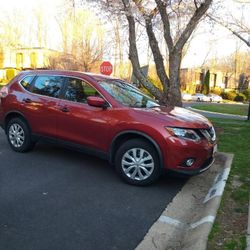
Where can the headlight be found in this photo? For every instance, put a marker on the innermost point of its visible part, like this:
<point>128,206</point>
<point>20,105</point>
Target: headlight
<point>187,134</point>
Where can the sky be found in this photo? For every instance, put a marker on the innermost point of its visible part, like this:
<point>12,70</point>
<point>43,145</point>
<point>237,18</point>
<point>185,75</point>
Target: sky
<point>208,43</point>
<point>217,41</point>
<point>28,7</point>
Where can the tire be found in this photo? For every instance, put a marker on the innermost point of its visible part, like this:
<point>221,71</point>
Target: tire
<point>19,136</point>
<point>146,171</point>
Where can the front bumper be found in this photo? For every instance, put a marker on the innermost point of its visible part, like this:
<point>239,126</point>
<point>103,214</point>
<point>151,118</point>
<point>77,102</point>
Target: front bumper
<point>179,151</point>
<point>207,164</point>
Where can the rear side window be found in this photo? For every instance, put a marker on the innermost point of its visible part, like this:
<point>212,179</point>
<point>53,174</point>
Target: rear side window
<point>26,82</point>
<point>78,90</point>
<point>48,85</point>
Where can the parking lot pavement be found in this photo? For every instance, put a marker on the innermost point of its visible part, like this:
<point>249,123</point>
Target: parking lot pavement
<point>54,198</point>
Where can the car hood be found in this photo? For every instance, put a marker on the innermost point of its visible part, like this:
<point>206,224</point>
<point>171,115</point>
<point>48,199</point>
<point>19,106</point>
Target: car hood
<point>176,117</point>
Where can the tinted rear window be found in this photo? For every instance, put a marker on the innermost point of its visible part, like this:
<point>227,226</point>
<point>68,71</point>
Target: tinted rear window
<point>26,82</point>
<point>48,85</point>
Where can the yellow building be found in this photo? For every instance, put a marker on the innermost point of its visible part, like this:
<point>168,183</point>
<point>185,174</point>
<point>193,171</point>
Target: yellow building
<point>14,60</point>
<point>26,58</point>
<point>193,78</point>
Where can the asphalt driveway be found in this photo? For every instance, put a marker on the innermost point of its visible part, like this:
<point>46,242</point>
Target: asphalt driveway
<point>54,198</point>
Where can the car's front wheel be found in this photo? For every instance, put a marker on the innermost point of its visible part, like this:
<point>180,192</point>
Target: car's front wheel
<point>19,136</point>
<point>137,162</point>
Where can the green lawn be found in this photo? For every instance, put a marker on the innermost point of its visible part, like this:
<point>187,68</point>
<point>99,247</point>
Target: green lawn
<point>234,109</point>
<point>230,226</point>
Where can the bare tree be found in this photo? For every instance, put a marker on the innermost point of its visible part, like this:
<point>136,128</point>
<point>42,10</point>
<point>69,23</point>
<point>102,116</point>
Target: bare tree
<point>185,15</point>
<point>11,28</point>
<point>238,29</point>
<point>236,21</point>
<point>82,40</point>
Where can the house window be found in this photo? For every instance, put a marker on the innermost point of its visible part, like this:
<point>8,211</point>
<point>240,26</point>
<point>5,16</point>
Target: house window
<point>226,81</point>
<point>33,60</point>
<point>19,60</point>
<point>201,78</point>
<point>215,79</point>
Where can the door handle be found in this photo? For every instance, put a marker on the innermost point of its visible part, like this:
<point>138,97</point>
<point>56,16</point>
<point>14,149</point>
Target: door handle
<point>27,100</point>
<point>64,109</point>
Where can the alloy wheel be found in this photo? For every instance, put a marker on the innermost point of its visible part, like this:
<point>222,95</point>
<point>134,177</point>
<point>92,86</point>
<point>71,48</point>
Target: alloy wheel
<point>16,135</point>
<point>137,164</point>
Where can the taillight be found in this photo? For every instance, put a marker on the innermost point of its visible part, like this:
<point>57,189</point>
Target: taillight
<point>4,92</point>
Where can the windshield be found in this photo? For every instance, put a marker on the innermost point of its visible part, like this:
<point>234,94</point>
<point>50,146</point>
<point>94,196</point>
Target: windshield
<point>127,94</point>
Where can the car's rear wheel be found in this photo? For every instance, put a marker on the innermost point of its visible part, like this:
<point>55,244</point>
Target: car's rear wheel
<point>137,162</point>
<point>19,136</point>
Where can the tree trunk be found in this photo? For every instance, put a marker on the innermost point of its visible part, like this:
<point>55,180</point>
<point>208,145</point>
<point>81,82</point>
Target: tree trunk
<point>174,92</point>
<point>171,94</point>
<point>133,55</point>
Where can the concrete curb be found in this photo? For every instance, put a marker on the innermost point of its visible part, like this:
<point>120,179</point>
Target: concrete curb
<point>217,113</point>
<point>187,221</point>
<point>248,229</point>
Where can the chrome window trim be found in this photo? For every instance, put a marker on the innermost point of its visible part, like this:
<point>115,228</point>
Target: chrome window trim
<point>58,98</point>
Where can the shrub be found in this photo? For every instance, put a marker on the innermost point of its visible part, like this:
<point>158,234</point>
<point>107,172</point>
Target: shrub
<point>216,91</point>
<point>229,95</point>
<point>156,81</point>
<point>10,73</point>
<point>223,95</point>
<point>247,94</point>
<point>240,98</point>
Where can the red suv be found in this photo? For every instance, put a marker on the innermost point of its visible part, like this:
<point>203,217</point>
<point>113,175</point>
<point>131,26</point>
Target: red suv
<point>109,118</point>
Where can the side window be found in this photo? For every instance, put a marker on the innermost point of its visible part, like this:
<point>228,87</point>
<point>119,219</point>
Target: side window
<point>26,82</point>
<point>78,90</point>
<point>48,85</point>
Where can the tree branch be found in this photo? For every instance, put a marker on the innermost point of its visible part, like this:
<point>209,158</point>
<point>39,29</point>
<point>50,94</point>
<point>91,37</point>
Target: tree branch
<point>133,54</point>
<point>166,24</point>
<point>237,34</point>
<point>193,22</point>
<point>159,63</point>
<point>195,3</point>
<point>158,59</point>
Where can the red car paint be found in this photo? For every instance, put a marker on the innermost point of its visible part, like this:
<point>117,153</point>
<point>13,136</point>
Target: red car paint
<point>97,128</point>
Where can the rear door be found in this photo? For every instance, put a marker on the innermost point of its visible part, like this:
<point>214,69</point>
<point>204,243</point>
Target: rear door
<point>41,106</point>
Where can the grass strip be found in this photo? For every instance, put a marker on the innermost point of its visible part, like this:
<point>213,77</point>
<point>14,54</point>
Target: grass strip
<point>233,109</point>
<point>229,230</point>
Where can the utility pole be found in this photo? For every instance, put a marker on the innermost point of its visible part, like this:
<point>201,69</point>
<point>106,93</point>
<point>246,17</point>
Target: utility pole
<point>236,65</point>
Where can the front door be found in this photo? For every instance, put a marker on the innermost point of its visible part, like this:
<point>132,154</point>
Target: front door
<point>80,123</point>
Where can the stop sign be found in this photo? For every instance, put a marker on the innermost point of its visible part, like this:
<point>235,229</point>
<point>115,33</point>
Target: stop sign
<point>106,68</point>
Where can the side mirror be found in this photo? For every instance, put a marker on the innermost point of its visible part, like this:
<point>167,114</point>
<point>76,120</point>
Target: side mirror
<point>96,101</point>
